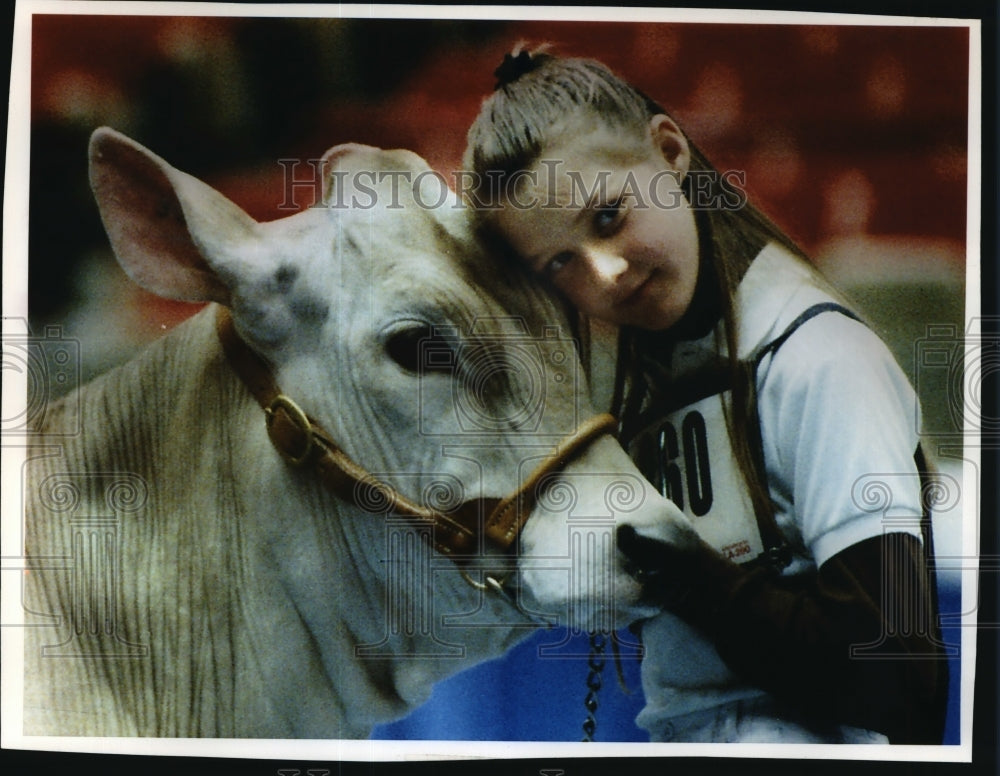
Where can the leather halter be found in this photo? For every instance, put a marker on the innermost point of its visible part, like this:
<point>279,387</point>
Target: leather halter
<point>304,443</point>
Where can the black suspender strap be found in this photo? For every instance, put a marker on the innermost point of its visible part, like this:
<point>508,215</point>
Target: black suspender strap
<point>807,315</point>
<point>777,553</point>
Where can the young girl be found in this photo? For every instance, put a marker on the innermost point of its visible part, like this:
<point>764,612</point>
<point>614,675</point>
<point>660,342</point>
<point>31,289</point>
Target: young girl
<point>752,397</point>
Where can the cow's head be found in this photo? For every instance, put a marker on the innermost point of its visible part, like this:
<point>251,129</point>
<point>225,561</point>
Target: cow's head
<point>444,373</point>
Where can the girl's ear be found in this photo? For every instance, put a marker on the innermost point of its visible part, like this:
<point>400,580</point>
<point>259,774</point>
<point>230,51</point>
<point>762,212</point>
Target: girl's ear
<point>672,143</point>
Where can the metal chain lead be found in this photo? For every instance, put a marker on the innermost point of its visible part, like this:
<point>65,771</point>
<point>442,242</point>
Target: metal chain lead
<point>595,663</point>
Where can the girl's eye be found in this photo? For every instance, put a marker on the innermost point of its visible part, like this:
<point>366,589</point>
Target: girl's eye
<point>607,217</point>
<point>558,262</point>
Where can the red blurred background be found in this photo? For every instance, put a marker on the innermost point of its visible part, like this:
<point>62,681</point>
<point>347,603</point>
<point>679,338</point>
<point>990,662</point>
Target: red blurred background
<point>841,130</point>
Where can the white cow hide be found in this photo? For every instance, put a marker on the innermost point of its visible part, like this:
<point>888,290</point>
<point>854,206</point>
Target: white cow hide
<point>187,581</point>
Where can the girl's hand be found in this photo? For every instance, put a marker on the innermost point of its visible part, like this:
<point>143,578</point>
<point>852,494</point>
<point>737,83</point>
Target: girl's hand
<point>691,580</point>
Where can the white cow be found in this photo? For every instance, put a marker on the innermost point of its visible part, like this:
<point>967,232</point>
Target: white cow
<point>188,579</point>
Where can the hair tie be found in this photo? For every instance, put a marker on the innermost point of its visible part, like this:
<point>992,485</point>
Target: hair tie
<point>513,67</point>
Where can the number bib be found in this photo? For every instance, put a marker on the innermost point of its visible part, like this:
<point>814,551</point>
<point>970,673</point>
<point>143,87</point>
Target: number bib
<point>687,455</point>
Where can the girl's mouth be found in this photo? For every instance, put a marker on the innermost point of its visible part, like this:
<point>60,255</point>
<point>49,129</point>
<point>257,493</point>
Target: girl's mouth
<point>634,295</point>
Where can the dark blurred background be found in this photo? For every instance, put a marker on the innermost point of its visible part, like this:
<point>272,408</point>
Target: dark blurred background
<point>854,139</point>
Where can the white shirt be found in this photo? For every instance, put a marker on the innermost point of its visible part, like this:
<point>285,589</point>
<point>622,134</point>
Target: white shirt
<point>839,424</point>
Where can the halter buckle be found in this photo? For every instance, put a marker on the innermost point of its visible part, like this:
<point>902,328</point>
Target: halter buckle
<point>294,439</point>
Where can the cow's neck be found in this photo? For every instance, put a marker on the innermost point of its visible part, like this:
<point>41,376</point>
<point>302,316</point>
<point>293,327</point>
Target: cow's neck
<point>248,603</point>
<point>152,426</point>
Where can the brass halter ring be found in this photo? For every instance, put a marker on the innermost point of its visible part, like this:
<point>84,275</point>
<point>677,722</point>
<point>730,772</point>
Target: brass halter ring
<point>492,584</point>
<point>496,586</point>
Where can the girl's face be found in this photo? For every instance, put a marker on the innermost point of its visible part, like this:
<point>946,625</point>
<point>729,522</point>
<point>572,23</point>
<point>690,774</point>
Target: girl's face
<point>610,227</point>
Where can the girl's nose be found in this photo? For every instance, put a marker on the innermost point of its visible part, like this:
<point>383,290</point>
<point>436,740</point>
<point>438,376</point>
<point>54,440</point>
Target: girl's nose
<point>606,265</point>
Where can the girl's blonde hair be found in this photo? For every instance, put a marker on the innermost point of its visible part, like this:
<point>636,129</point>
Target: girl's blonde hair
<point>540,98</point>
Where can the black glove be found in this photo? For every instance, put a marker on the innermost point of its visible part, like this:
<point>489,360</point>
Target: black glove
<point>693,582</point>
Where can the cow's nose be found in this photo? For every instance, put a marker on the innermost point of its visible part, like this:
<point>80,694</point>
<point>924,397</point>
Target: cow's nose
<point>644,557</point>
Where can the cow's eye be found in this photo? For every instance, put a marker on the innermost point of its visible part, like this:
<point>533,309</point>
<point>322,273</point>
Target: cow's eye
<point>418,348</point>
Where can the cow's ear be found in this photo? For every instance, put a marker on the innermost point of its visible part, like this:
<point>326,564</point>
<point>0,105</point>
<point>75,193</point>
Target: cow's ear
<point>335,186</point>
<point>174,235</point>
